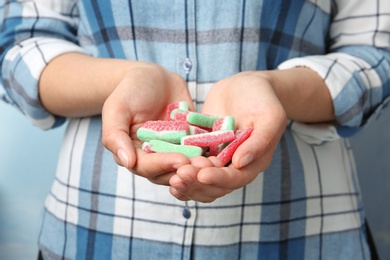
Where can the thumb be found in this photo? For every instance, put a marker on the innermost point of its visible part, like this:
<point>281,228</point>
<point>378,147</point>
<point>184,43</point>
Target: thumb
<point>254,147</point>
<point>260,144</point>
<point>116,136</point>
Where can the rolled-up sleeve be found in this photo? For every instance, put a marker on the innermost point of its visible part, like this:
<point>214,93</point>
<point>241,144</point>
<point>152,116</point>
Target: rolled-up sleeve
<point>357,67</point>
<point>32,34</point>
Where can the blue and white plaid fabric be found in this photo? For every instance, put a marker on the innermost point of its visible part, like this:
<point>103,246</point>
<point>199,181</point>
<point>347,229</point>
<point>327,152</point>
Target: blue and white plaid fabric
<point>306,205</point>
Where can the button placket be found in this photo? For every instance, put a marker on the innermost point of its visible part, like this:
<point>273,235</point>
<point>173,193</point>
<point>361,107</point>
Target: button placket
<point>189,218</point>
<point>187,65</point>
<point>186,213</point>
<point>189,61</point>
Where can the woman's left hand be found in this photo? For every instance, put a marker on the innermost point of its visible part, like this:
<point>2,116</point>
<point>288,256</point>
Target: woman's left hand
<point>249,97</point>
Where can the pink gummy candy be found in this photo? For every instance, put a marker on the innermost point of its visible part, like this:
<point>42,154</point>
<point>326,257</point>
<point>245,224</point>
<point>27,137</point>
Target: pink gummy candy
<point>171,131</point>
<point>179,115</point>
<point>209,139</point>
<point>227,153</point>
<point>216,149</point>
<point>225,123</point>
<point>160,125</point>
<point>194,130</point>
<point>179,105</point>
<point>218,124</point>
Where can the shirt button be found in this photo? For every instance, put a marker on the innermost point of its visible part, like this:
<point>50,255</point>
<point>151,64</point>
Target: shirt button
<point>187,65</point>
<point>186,213</point>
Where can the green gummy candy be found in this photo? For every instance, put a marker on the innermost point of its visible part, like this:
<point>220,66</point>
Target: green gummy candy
<point>162,146</point>
<point>147,135</point>
<point>182,105</point>
<point>201,120</point>
<point>226,123</point>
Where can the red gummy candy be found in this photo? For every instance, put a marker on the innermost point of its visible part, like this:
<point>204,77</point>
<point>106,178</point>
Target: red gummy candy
<point>209,139</point>
<point>216,149</point>
<point>227,153</point>
<point>179,105</point>
<point>226,123</point>
<point>179,115</point>
<point>195,130</point>
<point>160,125</point>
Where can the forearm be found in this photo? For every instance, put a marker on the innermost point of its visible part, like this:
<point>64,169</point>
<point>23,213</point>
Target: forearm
<point>76,85</point>
<point>303,94</point>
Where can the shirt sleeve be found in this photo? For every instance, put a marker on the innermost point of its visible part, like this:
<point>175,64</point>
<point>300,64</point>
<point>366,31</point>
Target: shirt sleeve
<point>356,69</point>
<point>32,34</point>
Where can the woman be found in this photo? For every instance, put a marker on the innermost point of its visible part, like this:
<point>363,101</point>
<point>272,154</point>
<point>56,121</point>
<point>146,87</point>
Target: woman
<point>304,74</point>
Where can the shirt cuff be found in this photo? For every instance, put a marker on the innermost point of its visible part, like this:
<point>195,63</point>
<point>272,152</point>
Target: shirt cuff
<point>339,73</point>
<point>349,80</point>
<point>21,70</point>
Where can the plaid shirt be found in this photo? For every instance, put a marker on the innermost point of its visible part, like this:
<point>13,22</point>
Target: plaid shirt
<point>306,205</point>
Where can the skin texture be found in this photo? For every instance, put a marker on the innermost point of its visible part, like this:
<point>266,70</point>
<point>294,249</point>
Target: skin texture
<point>122,91</point>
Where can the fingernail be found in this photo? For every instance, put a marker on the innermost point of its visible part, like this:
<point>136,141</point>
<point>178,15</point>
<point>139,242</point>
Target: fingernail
<point>245,160</point>
<point>123,158</point>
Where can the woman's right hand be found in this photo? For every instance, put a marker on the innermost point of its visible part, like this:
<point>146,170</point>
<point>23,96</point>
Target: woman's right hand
<point>126,93</point>
<point>143,94</point>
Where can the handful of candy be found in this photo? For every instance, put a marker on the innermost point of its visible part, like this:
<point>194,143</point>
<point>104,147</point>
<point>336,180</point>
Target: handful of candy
<point>192,134</point>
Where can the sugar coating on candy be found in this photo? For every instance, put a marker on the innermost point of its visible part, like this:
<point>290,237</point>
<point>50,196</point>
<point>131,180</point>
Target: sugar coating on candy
<point>225,123</point>
<point>182,105</point>
<point>160,128</point>
<point>179,115</point>
<point>192,134</point>
<point>209,139</point>
<point>170,131</point>
<point>201,120</point>
<point>194,130</point>
<point>216,149</point>
<point>165,147</point>
<point>227,153</point>
<point>147,135</point>
<point>161,125</point>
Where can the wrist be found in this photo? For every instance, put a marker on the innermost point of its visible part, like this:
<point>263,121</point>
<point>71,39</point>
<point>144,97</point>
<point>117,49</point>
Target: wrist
<point>301,91</point>
<point>76,85</point>
<point>303,94</point>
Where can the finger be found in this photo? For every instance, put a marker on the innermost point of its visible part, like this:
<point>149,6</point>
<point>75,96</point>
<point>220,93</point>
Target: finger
<point>196,196</point>
<point>205,194</point>
<point>152,165</point>
<point>230,178</point>
<point>254,147</point>
<point>188,173</point>
<point>185,174</point>
<point>218,176</point>
<point>216,161</point>
<point>263,140</point>
<point>185,183</point>
<point>162,179</point>
<point>115,135</point>
<point>178,187</point>
<point>201,162</point>
<point>178,195</point>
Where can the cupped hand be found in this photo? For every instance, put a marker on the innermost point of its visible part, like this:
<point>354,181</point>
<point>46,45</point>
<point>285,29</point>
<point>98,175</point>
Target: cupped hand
<point>250,99</point>
<point>142,95</point>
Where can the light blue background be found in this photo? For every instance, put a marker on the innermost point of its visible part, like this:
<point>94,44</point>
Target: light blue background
<point>28,159</point>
